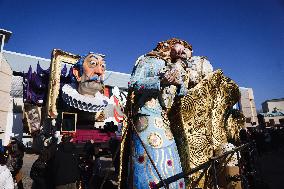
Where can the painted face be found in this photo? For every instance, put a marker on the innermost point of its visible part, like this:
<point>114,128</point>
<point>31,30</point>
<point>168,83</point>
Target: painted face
<point>178,51</point>
<point>94,66</point>
<point>91,81</point>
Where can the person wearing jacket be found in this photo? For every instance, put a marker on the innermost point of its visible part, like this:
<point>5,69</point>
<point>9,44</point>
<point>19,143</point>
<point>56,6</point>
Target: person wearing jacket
<point>6,179</point>
<point>65,165</point>
<point>16,151</point>
<point>38,172</point>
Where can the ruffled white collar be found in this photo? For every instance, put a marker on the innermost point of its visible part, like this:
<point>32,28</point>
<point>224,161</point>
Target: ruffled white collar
<point>95,103</point>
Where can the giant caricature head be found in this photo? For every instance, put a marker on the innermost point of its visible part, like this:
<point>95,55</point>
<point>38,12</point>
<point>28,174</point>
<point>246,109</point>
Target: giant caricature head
<point>177,52</point>
<point>89,72</point>
<point>172,50</point>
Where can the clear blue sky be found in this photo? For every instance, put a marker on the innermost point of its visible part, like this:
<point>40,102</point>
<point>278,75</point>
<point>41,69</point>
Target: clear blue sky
<point>244,38</point>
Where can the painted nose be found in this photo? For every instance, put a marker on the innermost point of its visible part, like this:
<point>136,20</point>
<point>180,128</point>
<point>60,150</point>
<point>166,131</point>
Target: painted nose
<point>99,71</point>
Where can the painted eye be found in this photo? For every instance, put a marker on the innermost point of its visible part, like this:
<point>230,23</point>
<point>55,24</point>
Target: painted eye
<point>93,62</point>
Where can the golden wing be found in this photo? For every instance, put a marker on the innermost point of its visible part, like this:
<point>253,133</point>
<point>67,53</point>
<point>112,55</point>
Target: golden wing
<point>198,119</point>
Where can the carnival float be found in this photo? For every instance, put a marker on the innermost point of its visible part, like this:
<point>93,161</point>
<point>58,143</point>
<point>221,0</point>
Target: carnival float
<point>69,98</point>
<point>179,126</point>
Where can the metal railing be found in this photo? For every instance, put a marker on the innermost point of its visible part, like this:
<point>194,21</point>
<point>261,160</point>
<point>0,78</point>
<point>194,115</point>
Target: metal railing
<point>215,165</point>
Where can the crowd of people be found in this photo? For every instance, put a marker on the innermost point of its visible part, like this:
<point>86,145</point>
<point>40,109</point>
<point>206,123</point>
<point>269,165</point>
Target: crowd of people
<point>62,166</point>
<point>266,140</point>
<point>58,166</point>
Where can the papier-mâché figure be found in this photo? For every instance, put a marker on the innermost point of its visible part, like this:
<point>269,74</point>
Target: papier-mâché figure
<point>156,79</point>
<point>90,73</point>
<point>86,93</point>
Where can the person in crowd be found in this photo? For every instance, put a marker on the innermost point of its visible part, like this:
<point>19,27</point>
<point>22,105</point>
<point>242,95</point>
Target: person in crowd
<point>267,140</point>
<point>65,166</point>
<point>1,146</point>
<point>16,151</point>
<point>6,179</point>
<point>96,179</point>
<point>86,165</point>
<point>114,145</point>
<point>89,149</point>
<point>50,146</point>
<point>244,138</point>
<point>38,172</point>
<point>86,171</point>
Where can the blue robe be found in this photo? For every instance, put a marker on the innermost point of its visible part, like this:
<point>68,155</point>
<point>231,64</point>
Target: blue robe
<point>153,127</point>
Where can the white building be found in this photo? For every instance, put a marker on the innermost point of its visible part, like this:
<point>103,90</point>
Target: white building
<point>273,105</point>
<point>6,103</point>
<point>273,112</point>
<point>247,106</point>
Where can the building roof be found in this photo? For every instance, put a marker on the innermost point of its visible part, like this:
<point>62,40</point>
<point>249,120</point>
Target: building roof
<point>21,62</point>
<point>274,100</point>
<point>117,79</point>
<point>6,33</point>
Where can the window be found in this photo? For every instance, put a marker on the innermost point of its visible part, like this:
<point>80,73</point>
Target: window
<point>69,121</point>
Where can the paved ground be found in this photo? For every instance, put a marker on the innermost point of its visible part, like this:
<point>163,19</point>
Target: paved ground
<point>28,161</point>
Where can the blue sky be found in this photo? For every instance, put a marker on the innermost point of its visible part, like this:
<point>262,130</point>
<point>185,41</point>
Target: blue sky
<point>244,38</point>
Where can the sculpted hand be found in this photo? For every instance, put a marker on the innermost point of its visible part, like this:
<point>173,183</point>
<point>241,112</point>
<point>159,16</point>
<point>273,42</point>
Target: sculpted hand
<point>171,77</point>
